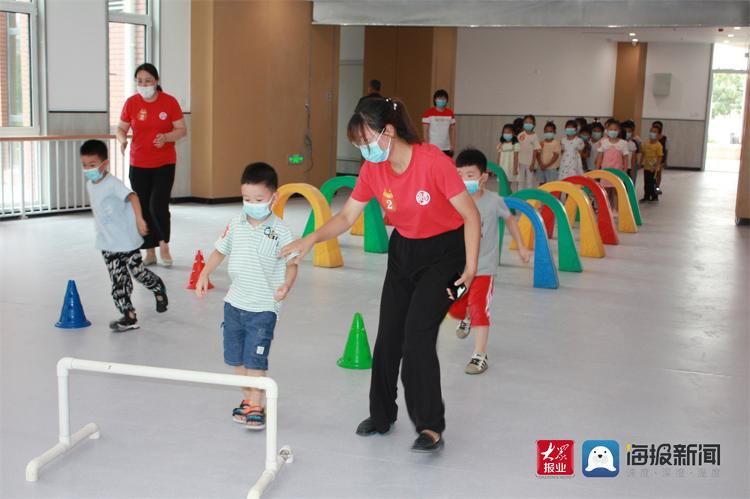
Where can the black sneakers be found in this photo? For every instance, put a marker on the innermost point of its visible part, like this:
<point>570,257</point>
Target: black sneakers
<point>124,323</point>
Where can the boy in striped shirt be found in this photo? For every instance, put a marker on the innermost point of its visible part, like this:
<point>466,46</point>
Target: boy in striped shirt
<point>261,280</point>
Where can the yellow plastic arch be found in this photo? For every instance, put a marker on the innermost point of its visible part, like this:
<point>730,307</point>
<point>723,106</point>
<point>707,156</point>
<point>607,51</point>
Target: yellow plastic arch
<point>625,219</point>
<point>358,229</point>
<point>325,254</point>
<point>591,240</point>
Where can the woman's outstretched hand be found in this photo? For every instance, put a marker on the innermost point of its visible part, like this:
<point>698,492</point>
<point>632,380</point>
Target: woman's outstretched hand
<point>300,248</point>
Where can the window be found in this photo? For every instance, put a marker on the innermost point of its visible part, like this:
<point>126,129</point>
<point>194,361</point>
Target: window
<point>17,93</point>
<point>129,6</point>
<point>130,35</point>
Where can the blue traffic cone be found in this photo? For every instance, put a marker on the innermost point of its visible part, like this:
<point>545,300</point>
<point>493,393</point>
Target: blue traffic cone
<point>71,315</point>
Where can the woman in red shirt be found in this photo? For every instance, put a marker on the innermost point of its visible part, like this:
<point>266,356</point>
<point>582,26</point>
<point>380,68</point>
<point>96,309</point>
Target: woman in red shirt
<point>435,240</point>
<point>157,122</point>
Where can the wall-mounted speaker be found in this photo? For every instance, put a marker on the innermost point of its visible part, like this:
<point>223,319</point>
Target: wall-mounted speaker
<point>662,84</point>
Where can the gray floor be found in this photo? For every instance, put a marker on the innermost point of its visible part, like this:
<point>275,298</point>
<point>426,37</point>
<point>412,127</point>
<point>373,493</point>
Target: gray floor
<point>648,345</point>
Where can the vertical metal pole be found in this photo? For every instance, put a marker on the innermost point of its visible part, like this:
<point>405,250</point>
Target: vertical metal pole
<point>12,178</point>
<point>65,171</point>
<point>75,181</point>
<point>271,428</point>
<point>2,179</point>
<point>63,406</point>
<point>22,147</point>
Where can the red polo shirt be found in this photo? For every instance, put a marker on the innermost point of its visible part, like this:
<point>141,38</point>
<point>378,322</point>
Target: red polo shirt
<point>417,202</point>
<point>148,119</point>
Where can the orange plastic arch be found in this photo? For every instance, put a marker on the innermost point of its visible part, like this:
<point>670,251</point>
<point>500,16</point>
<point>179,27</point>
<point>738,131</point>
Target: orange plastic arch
<point>625,219</point>
<point>591,240</point>
<point>325,254</point>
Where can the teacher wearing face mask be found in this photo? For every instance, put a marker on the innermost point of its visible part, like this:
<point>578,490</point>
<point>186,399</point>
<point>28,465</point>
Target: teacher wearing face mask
<point>434,247</point>
<point>439,124</point>
<point>157,123</point>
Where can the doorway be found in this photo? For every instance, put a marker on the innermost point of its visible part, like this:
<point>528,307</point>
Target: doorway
<point>728,84</point>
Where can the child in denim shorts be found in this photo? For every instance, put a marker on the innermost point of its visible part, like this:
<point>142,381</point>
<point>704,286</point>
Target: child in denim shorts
<point>261,280</point>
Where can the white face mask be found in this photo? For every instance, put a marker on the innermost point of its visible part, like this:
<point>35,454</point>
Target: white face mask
<point>147,92</point>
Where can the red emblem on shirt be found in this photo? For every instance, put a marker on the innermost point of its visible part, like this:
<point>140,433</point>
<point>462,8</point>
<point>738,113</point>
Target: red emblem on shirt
<point>142,115</point>
<point>226,230</point>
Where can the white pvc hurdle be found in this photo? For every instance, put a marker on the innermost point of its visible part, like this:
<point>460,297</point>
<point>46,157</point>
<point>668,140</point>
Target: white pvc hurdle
<point>274,461</point>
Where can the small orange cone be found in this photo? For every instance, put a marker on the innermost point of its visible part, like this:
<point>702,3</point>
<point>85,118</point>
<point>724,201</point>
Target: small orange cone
<point>198,265</point>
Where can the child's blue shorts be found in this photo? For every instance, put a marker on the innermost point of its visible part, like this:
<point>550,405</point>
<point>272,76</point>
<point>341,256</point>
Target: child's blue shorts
<point>247,337</point>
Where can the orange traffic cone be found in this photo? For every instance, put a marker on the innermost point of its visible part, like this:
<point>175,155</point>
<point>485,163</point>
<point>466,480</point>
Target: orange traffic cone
<point>198,265</point>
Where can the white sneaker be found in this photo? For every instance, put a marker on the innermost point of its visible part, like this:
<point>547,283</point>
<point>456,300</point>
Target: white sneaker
<point>477,364</point>
<point>463,329</point>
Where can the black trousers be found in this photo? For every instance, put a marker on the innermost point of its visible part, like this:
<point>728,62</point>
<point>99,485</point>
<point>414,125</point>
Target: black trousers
<point>154,189</point>
<point>120,266</point>
<point>649,179</point>
<point>413,304</point>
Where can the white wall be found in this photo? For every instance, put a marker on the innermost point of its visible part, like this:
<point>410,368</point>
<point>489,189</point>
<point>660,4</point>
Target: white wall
<point>76,55</point>
<point>175,50</point>
<point>516,72</point>
<point>689,64</point>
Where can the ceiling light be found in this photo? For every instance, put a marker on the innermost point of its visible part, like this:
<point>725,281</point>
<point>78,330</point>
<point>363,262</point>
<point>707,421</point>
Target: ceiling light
<point>612,26</point>
<point>635,40</point>
<point>632,34</point>
<point>730,35</point>
<point>473,25</point>
<point>726,41</point>
<point>737,28</point>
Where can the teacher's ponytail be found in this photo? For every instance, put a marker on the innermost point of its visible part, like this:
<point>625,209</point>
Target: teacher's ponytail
<point>377,112</point>
<point>150,69</point>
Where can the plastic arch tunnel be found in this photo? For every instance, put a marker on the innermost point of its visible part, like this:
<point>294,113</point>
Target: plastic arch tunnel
<point>568,259</point>
<point>545,274</point>
<point>325,254</point>
<point>370,223</point>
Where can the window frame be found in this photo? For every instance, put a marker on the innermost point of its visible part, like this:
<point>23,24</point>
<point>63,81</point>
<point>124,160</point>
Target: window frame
<point>34,9</point>
<point>150,22</point>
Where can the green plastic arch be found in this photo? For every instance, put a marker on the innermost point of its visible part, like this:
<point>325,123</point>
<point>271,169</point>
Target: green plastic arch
<point>376,236</point>
<point>631,193</point>
<point>568,259</point>
<point>502,179</point>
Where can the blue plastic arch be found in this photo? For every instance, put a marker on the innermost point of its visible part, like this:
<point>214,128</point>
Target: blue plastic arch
<point>545,273</point>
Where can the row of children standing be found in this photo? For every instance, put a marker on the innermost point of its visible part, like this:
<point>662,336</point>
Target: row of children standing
<point>529,161</point>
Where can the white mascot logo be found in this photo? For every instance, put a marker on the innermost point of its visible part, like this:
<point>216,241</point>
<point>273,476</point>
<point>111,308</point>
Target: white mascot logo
<point>601,457</point>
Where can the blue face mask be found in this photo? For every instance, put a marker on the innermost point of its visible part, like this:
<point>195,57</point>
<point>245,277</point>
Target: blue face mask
<point>373,153</point>
<point>549,135</point>
<point>472,186</point>
<point>628,135</point>
<point>256,211</point>
<point>570,131</point>
<point>613,134</point>
<point>596,135</point>
<point>652,135</point>
<point>441,103</point>
<point>93,174</point>
<point>528,126</point>
<point>585,138</point>
<point>508,136</point>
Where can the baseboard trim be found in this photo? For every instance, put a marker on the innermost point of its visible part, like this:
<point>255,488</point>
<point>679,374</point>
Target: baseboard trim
<point>200,200</point>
